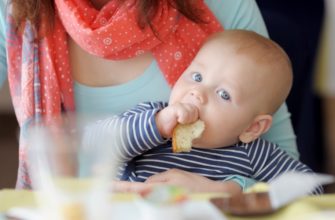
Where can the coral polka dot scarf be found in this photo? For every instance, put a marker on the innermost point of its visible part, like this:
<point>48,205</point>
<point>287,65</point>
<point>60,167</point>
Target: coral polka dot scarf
<point>113,33</point>
<point>39,71</point>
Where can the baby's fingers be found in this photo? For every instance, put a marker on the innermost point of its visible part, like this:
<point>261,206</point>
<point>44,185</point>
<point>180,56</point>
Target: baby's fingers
<point>187,113</point>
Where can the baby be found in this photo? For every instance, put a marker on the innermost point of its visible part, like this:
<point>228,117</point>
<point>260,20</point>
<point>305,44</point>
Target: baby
<point>235,83</point>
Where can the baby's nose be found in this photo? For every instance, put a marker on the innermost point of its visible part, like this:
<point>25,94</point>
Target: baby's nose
<point>198,96</point>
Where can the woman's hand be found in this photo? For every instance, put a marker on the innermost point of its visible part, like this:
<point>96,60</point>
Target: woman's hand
<point>190,181</point>
<point>168,118</point>
<point>193,182</point>
<point>132,187</point>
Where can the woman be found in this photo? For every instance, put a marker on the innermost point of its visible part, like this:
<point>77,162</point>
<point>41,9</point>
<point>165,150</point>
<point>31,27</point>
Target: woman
<point>103,57</point>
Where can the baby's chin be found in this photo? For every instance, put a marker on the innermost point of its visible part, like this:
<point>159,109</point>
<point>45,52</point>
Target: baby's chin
<point>198,143</point>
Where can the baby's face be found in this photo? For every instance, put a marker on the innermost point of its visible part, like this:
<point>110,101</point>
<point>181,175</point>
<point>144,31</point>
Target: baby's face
<point>222,86</point>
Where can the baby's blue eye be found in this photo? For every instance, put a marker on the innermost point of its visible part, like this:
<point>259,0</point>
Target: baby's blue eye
<point>224,94</point>
<point>196,76</point>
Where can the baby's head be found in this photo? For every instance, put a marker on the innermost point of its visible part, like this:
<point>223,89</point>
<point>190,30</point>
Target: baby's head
<point>266,70</point>
<point>237,80</point>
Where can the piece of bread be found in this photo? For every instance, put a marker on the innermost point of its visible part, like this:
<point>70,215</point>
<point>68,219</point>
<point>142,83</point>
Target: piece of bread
<point>183,135</point>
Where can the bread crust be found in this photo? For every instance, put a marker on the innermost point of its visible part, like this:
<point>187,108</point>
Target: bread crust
<point>184,134</point>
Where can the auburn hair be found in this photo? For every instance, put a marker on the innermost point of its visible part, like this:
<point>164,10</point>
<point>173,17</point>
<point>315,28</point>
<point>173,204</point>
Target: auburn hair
<point>24,10</point>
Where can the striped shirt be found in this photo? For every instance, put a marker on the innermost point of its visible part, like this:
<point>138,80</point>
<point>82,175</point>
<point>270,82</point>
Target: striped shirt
<point>143,151</point>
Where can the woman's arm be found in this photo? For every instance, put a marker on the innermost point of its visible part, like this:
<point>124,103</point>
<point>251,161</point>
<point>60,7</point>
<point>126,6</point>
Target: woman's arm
<point>3,65</point>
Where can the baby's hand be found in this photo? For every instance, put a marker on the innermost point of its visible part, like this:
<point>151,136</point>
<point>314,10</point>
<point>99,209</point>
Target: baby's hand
<point>170,116</point>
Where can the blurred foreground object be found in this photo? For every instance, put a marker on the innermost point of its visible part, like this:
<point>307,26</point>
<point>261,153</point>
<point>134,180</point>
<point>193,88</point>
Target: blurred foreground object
<point>280,192</point>
<point>73,179</point>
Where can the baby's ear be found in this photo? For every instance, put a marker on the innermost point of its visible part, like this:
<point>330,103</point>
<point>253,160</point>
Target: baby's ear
<point>259,126</point>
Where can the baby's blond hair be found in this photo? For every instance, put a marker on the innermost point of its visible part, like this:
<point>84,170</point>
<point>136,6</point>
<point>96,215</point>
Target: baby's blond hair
<point>272,60</point>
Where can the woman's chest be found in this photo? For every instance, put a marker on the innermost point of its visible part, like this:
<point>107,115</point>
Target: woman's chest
<point>95,71</point>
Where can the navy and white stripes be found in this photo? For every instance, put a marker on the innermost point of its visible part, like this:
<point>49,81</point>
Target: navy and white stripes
<point>146,153</point>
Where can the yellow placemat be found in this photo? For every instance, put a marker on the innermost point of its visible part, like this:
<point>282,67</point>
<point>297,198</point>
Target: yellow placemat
<point>10,198</point>
<point>310,207</point>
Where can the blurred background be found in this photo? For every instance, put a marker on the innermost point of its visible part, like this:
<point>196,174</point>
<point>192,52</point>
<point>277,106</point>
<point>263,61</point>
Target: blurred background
<point>304,29</point>
<point>8,140</point>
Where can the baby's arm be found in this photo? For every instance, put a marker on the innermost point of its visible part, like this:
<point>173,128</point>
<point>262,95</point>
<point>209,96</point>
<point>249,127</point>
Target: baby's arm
<point>268,161</point>
<point>128,135</point>
<point>140,129</point>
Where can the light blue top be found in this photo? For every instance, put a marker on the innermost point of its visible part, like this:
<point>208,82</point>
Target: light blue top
<point>152,86</point>
<point>3,68</point>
